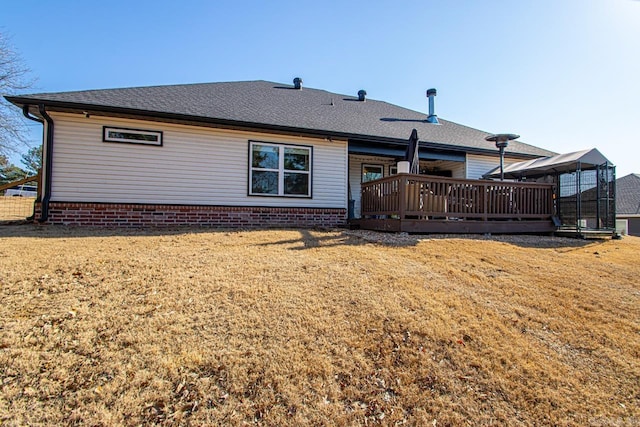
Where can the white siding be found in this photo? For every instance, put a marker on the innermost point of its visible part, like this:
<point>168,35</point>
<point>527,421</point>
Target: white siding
<point>479,165</point>
<point>195,165</point>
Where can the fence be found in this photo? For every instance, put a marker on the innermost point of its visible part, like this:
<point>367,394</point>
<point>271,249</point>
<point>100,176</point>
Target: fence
<point>17,207</point>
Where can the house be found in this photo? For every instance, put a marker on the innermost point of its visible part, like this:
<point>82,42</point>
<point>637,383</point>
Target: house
<point>628,202</point>
<point>251,153</point>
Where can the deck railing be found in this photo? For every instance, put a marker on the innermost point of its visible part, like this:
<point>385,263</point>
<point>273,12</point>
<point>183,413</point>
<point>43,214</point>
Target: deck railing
<point>406,196</point>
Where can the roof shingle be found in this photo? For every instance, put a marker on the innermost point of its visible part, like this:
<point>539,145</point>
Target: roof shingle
<point>628,195</point>
<point>272,104</point>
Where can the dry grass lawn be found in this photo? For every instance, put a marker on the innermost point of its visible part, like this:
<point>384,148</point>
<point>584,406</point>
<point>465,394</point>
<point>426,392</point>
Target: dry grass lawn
<point>295,327</point>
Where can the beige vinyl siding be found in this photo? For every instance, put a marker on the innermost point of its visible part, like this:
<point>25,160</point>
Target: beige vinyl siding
<point>457,168</point>
<point>355,175</point>
<point>195,165</point>
<point>478,165</point>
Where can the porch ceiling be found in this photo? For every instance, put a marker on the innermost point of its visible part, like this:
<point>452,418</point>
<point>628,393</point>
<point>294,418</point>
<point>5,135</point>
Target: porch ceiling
<point>366,148</point>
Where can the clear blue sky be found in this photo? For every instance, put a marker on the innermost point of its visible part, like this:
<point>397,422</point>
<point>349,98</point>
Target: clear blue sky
<point>564,74</point>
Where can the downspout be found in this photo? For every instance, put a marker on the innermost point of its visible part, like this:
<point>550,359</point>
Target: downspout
<point>47,152</point>
<point>27,114</point>
<point>46,196</point>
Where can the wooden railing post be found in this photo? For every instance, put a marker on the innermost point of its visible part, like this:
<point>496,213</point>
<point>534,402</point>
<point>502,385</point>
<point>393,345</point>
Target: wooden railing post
<point>485,208</point>
<point>402,195</point>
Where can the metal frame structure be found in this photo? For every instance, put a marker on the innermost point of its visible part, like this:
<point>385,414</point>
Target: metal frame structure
<point>586,198</point>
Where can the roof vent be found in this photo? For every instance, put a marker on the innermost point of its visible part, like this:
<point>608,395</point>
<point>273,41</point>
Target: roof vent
<point>431,94</point>
<point>362,95</point>
<point>297,83</point>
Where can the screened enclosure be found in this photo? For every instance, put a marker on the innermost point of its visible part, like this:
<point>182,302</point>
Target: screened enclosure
<point>584,183</point>
<point>586,198</point>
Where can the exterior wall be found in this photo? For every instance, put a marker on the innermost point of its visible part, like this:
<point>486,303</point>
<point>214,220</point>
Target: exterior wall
<point>478,165</point>
<point>355,175</point>
<point>135,215</point>
<point>457,168</point>
<point>633,224</point>
<point>195,166</point>
<point>355,172</point>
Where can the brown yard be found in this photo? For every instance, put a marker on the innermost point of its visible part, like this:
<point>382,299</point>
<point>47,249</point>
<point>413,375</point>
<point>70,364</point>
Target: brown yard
<point>192,326</point>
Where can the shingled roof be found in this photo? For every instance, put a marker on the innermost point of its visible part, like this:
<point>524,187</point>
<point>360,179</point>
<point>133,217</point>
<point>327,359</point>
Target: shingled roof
<point>628,195</point>
<point>268,105</point>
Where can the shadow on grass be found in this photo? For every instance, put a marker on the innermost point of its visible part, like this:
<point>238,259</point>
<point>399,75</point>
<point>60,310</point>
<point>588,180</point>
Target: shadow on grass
<point>308,238</point>
<point>60,231</point>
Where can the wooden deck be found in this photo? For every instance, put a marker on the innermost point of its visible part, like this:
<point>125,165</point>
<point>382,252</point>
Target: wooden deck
<point>587,234</point>
<point>431,204</point>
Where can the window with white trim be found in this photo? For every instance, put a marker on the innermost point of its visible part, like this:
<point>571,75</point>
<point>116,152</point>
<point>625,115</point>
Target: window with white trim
<point>132,136</point>
<point>279,170</point>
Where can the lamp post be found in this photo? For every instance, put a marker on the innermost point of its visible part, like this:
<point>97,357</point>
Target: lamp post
<point>502,141</point>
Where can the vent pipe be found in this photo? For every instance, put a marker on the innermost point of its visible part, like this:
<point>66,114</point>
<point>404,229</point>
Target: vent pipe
<point>362,95</point>
<point>431,94</point>
<point>297,83</point>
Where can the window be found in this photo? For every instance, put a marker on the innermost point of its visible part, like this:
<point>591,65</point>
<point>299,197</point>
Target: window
<point>132,136</point>
<point>371,172</point>
<point>393,170</point>
<point>279,170</point>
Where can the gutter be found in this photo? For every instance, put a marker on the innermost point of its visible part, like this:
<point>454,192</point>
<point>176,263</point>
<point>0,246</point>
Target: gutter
<point>27,114</point>
<point>47,154</point>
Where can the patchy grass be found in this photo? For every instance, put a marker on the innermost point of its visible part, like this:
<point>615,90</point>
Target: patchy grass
<point>106,327</point>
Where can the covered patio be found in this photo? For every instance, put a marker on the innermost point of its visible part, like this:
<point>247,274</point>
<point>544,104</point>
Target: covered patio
<point>585,183</point>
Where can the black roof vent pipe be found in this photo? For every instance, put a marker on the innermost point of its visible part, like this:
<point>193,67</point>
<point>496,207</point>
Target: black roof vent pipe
<point>362,95</point>
<point>431,94</point>
<point>297,83</point>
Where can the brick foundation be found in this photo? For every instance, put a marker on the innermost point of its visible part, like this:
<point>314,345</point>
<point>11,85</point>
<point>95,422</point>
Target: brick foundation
<point>135,215</point>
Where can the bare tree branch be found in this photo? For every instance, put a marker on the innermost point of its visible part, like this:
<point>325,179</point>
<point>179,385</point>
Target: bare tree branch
<point>14,77</point>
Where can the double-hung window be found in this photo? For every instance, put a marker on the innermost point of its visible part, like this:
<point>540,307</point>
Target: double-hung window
<point>279,170</point>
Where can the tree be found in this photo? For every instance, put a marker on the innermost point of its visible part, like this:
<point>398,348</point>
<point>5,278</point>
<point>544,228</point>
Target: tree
<point>32,161</point>
<point>13,78</point>
<point>9,172</point>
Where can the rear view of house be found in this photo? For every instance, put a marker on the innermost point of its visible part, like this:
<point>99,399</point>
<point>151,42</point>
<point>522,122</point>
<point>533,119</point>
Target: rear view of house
<point>235,154</point>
